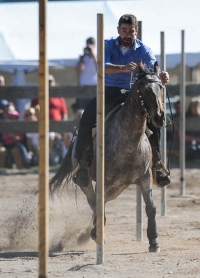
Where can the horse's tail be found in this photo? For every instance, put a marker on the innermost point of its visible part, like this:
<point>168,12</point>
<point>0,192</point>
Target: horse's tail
<point>64,172</point>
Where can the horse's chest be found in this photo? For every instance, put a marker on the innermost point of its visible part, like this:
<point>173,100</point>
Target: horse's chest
<point>127,163</point>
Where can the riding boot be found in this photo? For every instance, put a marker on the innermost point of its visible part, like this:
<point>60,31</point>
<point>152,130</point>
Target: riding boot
<point>81,178</point>
<point>160,174</point>
<point>159,170</point>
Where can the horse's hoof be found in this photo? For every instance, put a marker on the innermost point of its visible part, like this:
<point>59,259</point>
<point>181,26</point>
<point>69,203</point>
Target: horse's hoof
<point>154,249</point>
<point>93,234</point>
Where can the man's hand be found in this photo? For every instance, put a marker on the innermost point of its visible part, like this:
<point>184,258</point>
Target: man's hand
<point>130,67</point>
<point>164,76</point>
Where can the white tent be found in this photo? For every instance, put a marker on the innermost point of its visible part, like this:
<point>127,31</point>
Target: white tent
<point>70,23</point>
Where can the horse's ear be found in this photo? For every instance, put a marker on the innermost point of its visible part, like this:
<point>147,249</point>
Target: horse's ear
<point>141,65</point>
<point>156,68</point>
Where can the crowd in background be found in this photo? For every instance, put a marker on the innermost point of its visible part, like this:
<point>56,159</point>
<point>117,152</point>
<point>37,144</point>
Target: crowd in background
<point>22,150</point>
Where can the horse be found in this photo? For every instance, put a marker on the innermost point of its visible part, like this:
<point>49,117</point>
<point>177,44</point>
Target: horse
<point>128,154</point>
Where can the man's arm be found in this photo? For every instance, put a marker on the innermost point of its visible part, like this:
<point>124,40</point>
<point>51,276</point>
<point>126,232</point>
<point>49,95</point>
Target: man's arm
<point>112,69</point>
<point>80,65</point>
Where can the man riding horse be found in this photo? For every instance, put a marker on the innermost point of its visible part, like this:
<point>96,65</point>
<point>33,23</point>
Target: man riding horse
<point>122,56</point>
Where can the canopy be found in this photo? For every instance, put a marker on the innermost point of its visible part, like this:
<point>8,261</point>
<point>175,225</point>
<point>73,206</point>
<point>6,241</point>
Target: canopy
<point>70,23</point>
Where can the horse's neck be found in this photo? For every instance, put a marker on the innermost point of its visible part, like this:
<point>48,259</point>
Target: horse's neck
<point>130,118</point>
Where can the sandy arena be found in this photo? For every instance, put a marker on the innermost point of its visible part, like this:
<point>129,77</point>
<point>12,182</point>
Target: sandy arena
<point>75,257</point>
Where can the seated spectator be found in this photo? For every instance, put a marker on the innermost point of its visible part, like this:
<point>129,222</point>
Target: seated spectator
<point>3,104</point>
<point>58,110</point>
<point>173,136</point>
<point>32,137</point>
<point>192,138</point>
<point>2,81</point>
<point>9,107</point>
<point>177,109</point>
<point>13,147</point>
<point>55,141</point>
<point>77,112</point>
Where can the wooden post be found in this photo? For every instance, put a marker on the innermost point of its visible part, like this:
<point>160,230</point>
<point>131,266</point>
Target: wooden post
<point>43,144</point>
<point>182,116</point>
<point>163,135</point>
<point>100,139</point>
<point>139,202</point>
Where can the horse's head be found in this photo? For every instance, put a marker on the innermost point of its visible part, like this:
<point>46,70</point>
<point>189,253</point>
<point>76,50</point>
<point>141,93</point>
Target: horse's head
<point>148,90</point>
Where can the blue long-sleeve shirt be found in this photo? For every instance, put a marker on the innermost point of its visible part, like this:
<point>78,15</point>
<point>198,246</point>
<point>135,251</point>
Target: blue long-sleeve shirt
<point>135,54</point>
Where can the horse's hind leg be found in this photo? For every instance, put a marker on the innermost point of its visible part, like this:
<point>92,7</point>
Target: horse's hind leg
<point>91,198</point>
<point>90,194</point>
<point>151,228</point>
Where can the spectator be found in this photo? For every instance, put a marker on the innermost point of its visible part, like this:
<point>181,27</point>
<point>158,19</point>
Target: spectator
<point>192,138</point>
<point>77,113</point>
<point>32,137</point>
<point>57,106</point>
<point>173,136</point>
<point>2,81</point>
<point>3,102</point>
<point>8,109</point>
<point>13,147</point>
<point>177,109</point>
<point>32,114</point>
<point>87,69</point>
<point>58,111</point>
<point>5,108</point>
<point>194,108</point>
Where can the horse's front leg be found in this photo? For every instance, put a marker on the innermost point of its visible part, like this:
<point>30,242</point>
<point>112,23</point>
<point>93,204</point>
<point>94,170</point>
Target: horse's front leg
<point>151,228</point>
<point>151,214</point>
<point>110,194</point>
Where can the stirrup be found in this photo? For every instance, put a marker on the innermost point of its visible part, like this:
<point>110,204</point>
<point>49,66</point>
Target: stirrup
<point>160,171</point>
<point>162,167</point>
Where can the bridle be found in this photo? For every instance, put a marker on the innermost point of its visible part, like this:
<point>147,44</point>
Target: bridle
<point>138,84</point>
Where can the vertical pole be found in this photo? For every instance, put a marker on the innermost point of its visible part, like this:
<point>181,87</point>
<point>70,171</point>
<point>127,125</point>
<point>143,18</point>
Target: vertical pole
<point>139,202</point>
<point>100,139</point>
<point>43,144</point>
<point>163,135</point>
<point>182,116</point>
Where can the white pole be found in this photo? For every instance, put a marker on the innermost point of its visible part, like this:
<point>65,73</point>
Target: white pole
<point>100,139</point>
<point>182,116</point>
<point>44,145</point>
<point>163,135</point>
<point>139,202</point>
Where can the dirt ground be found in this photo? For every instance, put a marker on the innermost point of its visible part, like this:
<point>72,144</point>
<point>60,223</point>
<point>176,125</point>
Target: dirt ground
<point>73,255</point>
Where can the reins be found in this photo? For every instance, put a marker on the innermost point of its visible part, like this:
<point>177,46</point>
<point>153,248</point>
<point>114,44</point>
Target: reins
<point>137,82</point>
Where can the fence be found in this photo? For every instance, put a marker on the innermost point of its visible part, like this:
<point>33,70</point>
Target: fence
<point>11,92</point>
